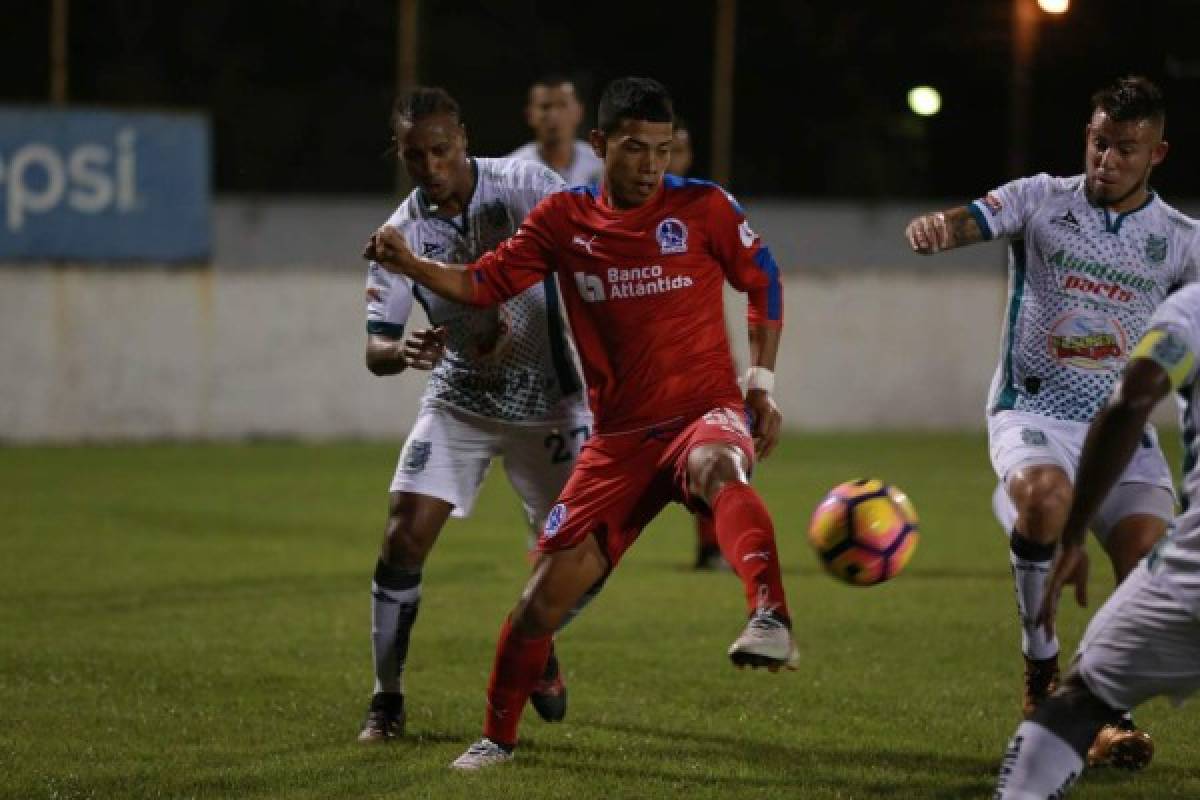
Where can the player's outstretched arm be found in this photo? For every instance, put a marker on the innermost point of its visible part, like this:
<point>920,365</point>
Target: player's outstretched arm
<point>1111,441</point>
<point>421,350</point>
<point>943,230</point>
<point>388,248</point>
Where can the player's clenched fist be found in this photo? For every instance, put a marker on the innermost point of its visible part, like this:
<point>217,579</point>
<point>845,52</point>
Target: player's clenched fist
<point>387,248</point>
<point>425,348</point>
<point>929,233</point>
<point>766,421</point>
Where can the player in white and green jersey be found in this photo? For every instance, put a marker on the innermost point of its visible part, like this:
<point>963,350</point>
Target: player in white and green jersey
<point>502,381</point>
<point>1090,258</point>
<point>1145,640</point>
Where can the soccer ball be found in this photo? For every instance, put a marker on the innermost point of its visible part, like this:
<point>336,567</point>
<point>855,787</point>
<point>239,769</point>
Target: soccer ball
<point>864,532</point>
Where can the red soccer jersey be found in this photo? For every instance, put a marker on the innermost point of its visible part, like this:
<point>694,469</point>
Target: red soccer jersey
<point>643,290</point>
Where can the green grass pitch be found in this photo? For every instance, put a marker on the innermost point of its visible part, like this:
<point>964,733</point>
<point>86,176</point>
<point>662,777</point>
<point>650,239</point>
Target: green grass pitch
<point>182,621</point>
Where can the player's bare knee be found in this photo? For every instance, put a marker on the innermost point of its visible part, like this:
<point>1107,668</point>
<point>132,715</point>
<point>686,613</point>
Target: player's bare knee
<point>536,616</point>
<point>710,467</point>
<point>405,545</point>
<point>1042,503</point>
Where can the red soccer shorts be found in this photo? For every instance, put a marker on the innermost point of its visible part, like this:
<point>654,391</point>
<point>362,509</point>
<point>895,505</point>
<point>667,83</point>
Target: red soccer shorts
<point>621,481</point>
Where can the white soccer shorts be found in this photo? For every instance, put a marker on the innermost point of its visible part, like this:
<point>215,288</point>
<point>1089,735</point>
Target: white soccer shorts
<point>1142,643</point>
<point>448,453</point>
<point>1018,439</point>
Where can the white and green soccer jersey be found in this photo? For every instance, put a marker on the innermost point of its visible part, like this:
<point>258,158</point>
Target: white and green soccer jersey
<point>1173,340</point>
<point>510,362</point>
<point>1083,282</point>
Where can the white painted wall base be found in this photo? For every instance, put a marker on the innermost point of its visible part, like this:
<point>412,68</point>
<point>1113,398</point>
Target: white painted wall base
<point>110,353</point>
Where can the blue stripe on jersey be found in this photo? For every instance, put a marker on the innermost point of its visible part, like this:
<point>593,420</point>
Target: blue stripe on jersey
<point>568,381</point>
<point>1189,443</point>
<point>1008,395</point>
<point>588,189</point>
<point>393,329</point>
<point>676,182</point>
<point>981,220</point>
<point>766,262</point>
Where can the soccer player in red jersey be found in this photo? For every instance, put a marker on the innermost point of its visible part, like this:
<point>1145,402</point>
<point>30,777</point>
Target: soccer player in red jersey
<point>642,260</point>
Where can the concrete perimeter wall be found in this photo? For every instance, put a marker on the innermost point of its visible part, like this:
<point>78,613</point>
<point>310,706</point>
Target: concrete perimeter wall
<point>87,354</point>
<point>268,340</point>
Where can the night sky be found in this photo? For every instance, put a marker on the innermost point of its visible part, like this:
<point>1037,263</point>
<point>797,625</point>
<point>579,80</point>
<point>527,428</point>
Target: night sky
<point>299,92</point>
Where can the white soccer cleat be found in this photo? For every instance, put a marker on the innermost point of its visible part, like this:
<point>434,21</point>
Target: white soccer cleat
<point>765,642</point>
<point>484,753</point>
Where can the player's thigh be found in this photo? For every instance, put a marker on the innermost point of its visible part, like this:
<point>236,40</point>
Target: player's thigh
<point>446,456</point>
<point>1134,513</point>
<point>538,461</point>
<point>1019,440</point>
<point>1142,643</point>
<point>1146,487</point>
<point>1035,458</point>
<point>713,448</point>
<point>615,489</point>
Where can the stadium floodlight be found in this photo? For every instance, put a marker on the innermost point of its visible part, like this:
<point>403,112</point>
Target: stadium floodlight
<point>1054,6</point>
<point>924,100</point>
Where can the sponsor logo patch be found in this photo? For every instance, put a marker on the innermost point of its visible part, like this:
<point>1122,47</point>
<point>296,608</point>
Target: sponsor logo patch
<point>746,234</point>
<point>431,249</point>
<point>1033,437</point>
<point>416,455</point>
<point>554,521</point>
<point>586,244</point>
<point>992,202</point>
<point>591,288</point>
<point>672,236</point>
<point>1156,249</point>
<point>1067,220</point>
<point>1088,341</point>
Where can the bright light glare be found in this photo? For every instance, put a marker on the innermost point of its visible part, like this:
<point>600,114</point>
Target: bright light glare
<point>924,100</point>
<point>1054,6</point>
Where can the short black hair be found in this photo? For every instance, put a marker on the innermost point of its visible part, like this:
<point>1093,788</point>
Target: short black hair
<point>552,79</point>
<point>1131,98</point>
<point>422,102</point>
<point>634,98</point>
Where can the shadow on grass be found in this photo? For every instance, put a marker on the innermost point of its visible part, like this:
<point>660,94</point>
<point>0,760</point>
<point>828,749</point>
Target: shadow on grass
<point>998,574</point>
<point>808,764</point>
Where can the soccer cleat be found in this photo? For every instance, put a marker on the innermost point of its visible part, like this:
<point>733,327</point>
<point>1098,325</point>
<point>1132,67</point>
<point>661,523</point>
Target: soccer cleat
<point>1041,679</point>
<point>1121,746</point>
<point>765,642</point>
<point>484,753</point>
<point>385,718</point>
<point>549,695</point>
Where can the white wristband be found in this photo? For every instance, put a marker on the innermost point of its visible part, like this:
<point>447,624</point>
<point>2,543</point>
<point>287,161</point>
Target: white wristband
<point>760,378</point>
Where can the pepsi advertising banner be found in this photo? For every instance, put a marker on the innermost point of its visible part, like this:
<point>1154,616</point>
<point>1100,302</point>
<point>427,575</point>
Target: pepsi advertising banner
<point>104,186</point>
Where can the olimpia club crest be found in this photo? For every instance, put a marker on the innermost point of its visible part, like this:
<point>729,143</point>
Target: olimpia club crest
<point>672,236</point>
<point>1156,249</point>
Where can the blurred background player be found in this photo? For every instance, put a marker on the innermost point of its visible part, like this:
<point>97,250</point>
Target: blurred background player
<point>554,112</point>
<point>681,149</point>
<point>501,382</point>
<point>646,260</point>
<point>1090,258</point>
<point>1145,640</point>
